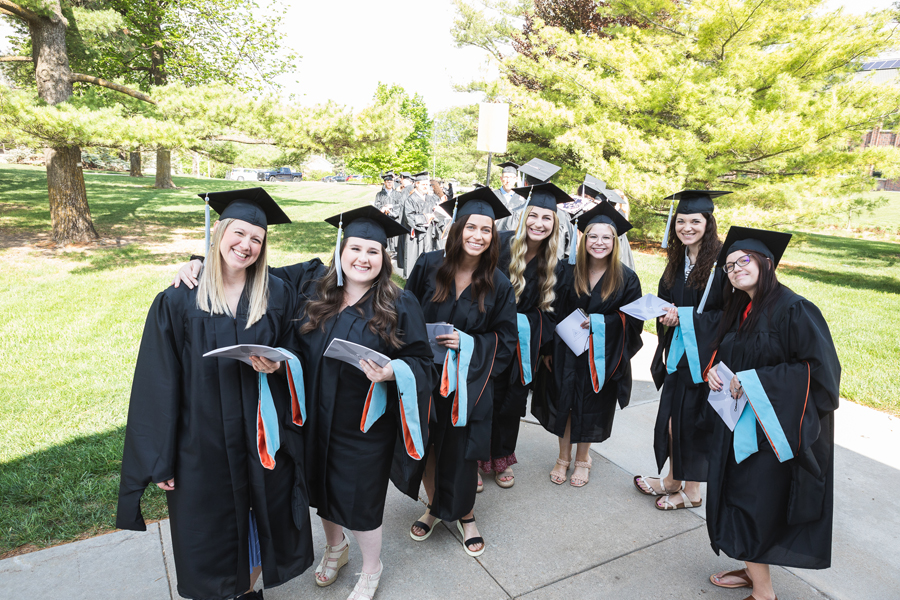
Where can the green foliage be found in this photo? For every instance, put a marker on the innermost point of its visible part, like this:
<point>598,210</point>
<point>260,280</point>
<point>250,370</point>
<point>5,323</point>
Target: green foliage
<point>412,150</point>
<point>759,98</point>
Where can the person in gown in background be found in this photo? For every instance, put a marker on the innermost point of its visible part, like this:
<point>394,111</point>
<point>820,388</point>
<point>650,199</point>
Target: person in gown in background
<point>197,427</point>
<point>357,412</point>
<point>528,257</point>
<point>685,421</point>
<point>387,200</point>
<point>514,203</point>
<point>770,494</point>
<point>417,215</point>
<point>466,290</point>
<point>620,203</point>
<point>575,395</point>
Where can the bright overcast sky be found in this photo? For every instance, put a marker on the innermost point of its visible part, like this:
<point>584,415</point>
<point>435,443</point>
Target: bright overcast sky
<point>348,46</point>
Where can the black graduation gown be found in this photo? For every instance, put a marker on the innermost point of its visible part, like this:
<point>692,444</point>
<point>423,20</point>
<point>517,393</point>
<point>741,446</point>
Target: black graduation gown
<point>684,401</point>
<point>348,470</point>
<point>510,393</point>
<point>388,198</point>
<point>568,388</point>
<point>195,419</point>
<point>415,209</point>
<point>457,449</point>
<point>762,510</point>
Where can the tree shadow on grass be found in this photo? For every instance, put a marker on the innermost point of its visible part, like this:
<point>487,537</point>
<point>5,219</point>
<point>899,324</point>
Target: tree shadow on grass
<point>880,283</point>
<point>845,262</point>
<point>64,492</point>
<point>108,259</point>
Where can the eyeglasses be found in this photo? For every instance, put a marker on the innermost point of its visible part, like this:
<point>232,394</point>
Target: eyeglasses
<point>741,262</point>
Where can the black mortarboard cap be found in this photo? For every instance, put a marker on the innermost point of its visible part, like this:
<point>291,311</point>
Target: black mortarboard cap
<point>613,196</point>
<point>597,186</point>
<point>253,205</point>
<point>405,175</point>
<point>509,167</point>
<point>768,243</point>
<point>695,201</point>
<point>538,171</point>
<point>480,201</point>
<point>388,175</point>
<point>368,223</point>
<point>543,195</point>
<point>422,176</point>
<point>603,213</point>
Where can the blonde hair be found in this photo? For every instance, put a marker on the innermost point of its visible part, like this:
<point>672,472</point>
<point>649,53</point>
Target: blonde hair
<point>211,291</point>
<point>546,258</point>
<point>615,275</point>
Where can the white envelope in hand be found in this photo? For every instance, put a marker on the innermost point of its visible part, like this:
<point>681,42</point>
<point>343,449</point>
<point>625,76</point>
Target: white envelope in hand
<point>647,307</point>
<point>433,330</point>
<point>571,332</point>
<point>725,406</point>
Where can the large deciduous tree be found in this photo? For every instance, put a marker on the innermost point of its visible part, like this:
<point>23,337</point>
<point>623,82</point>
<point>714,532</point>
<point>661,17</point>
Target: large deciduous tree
<point>47,28</point>
<point>762,97</point>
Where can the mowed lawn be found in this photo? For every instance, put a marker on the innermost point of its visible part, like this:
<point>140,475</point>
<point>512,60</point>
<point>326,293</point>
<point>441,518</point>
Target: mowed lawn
<point>71,323</point>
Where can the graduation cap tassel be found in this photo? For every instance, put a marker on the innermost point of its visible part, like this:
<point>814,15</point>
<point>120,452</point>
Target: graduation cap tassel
<point>337,253</point>
<point>665,242</point>
<point>573,243</point>
<point>521,229</point>
<point>712,275</point>
<point>207,225</point>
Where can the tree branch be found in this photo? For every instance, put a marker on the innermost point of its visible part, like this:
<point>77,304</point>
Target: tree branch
<point>242,139</point>
<point>113,86</point>
<point>14,10</point>
<point>16,59</point>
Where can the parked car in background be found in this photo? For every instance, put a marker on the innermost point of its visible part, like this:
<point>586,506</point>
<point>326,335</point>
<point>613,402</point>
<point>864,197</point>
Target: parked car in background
<point>282,174</point>
<point>328,179</point>
<point>242,174</point>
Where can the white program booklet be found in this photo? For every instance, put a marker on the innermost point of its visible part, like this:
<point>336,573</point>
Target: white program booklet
<point>571,332</point>
<point>647,307</point>
<point>243,352</point>
<point>352,353</point>
<point>433,330</point>
<point>725,406</point>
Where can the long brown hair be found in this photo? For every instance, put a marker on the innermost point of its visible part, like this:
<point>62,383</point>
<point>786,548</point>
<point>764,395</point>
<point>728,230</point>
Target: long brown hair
<point>614,277</point>
<point>546,262</point>
<point>710,246</point>
<point>330,297</point>
<point>482,278</point>
<point>768,291</point>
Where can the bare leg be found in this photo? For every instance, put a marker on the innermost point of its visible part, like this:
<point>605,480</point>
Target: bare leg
<point>254,577</point>
<point>669,480</point>
<point>762,581</point>
<point>565,453</point>
<point>691,488</point>
<point>428,483</point>
<point>370,546</point>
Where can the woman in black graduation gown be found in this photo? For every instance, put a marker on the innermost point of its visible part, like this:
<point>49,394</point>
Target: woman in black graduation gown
<point>528,256</point>
<point>575,396</point>
<point>357,411</point>
<point>466,290</point>
<point>684,421</point>
<point>769,497</point>
<point>200,428</point>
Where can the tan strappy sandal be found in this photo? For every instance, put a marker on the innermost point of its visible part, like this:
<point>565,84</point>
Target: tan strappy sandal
<point>739,574</point>
<point>577,481</point>
<point>685,502</point>
<point>335,557</point>
<point>638,479</point>
<point>555,478</point>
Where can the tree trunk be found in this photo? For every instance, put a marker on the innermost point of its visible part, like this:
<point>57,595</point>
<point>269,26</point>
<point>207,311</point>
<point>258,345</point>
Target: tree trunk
<point>164,170</point>
<point>195,167</point>
<point>69,212</point>
<point>135,167</point>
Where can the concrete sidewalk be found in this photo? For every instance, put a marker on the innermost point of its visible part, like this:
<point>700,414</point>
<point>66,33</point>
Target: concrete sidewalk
<point>545,541</point>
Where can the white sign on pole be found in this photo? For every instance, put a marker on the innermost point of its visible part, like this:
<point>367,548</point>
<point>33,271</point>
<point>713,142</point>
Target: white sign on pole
<point>493,125</point>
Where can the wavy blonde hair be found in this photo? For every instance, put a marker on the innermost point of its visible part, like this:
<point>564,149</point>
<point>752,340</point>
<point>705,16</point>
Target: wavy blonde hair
<point>615,274</point>
<point>546,266</point>
<point>211,290</point>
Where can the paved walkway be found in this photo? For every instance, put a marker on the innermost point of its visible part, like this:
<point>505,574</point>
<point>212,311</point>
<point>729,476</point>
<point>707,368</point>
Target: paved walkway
<point>545,541</point>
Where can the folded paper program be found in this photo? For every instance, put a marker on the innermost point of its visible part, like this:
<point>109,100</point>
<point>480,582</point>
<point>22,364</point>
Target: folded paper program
<point>647,307</point>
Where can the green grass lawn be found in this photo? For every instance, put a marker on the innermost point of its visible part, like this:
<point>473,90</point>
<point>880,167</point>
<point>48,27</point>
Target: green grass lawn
<point>882,223</point>
<point>71,322</point>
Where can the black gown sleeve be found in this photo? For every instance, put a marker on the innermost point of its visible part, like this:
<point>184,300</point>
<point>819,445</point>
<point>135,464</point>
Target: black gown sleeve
<point>415,283</point>
<point>297,276</point>
<point>156,395</point>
